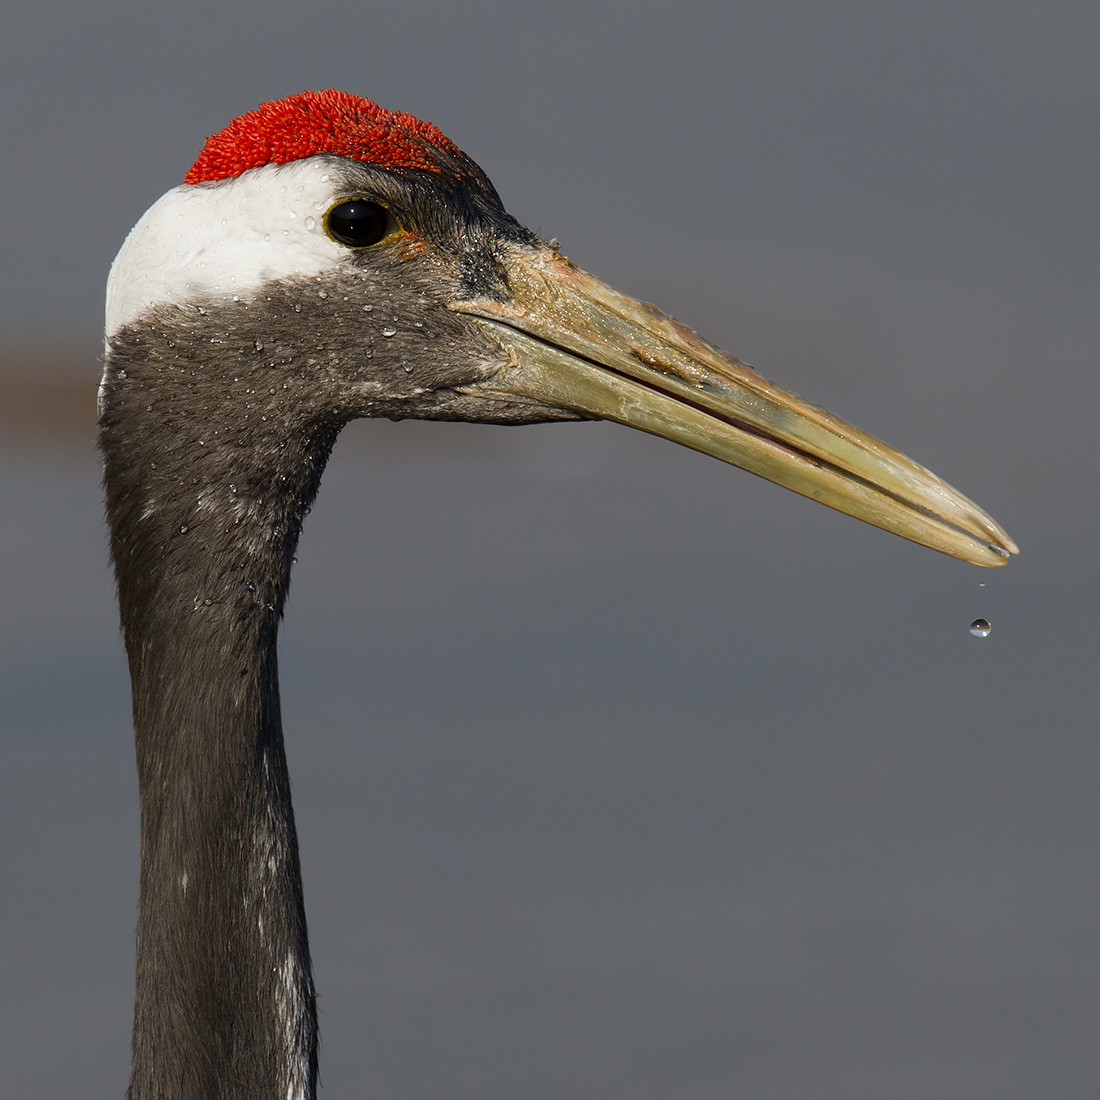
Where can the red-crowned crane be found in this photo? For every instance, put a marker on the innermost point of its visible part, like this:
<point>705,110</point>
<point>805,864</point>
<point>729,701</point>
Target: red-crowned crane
<point>325,259</point>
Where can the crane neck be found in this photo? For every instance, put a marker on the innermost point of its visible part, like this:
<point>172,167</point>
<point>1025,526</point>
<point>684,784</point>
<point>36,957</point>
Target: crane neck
<point>206,493</point>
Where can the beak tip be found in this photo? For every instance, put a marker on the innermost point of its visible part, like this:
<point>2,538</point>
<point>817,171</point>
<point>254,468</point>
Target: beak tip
<point>1005,550</point>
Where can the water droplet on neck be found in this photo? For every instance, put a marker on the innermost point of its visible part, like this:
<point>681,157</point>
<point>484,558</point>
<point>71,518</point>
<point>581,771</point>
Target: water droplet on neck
<point>322,294</point>
<point>297,307</point>
<point>367,309</point>
<point>389,330</point>
<point>311,222</point>
<point>183,529</point>
<point>407,368</point>
<point>980,628</point>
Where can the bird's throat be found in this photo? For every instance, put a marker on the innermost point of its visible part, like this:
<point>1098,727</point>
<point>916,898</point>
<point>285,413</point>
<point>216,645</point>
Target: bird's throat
<point>204,521</point>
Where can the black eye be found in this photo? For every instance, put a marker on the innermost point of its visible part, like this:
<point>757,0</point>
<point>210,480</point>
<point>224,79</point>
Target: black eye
<point>359,223</point>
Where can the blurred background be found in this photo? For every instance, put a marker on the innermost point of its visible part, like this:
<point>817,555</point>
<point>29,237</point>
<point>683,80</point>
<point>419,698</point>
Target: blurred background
<point>618,773</point>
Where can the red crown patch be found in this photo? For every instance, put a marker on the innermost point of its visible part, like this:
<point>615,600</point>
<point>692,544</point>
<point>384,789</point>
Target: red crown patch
<point>301,125</point>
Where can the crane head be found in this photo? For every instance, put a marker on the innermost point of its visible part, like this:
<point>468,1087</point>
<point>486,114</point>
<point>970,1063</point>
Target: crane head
<point>326,259</point>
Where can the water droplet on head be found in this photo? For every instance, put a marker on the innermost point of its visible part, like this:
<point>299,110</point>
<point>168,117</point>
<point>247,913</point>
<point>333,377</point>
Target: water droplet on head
<point>311,222</point>
<point>407,367</point>
<point>183,529</point>
<point>367,309</point>
<point>322,294</point>
<point>389,330</point>
<point>236,297</point>
<point>297,307</point>
<point>980,628</point>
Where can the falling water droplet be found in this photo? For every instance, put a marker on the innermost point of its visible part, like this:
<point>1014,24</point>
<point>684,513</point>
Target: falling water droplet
<point>311,222</point>
<point>980,628</point>
<point>981,584</point>
<point>389,331</point>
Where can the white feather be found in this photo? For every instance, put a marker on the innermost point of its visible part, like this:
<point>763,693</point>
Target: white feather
<point>225,240</point>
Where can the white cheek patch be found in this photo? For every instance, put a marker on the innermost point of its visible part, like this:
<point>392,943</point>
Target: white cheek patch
<point>225,241</point>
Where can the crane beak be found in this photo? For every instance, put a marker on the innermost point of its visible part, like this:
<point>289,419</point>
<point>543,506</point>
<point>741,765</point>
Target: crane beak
<point>575,343</point>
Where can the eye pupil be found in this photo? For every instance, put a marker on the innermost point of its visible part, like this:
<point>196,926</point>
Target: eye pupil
<point>358,223</point>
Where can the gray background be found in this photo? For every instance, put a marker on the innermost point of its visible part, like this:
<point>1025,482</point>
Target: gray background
<point>618,772</point>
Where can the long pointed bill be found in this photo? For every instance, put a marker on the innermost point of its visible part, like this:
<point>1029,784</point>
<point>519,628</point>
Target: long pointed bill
<point>575,343</point>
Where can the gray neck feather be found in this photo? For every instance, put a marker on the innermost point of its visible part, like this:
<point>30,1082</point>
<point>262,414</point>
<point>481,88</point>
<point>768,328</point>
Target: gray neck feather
<point>204,520</point>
